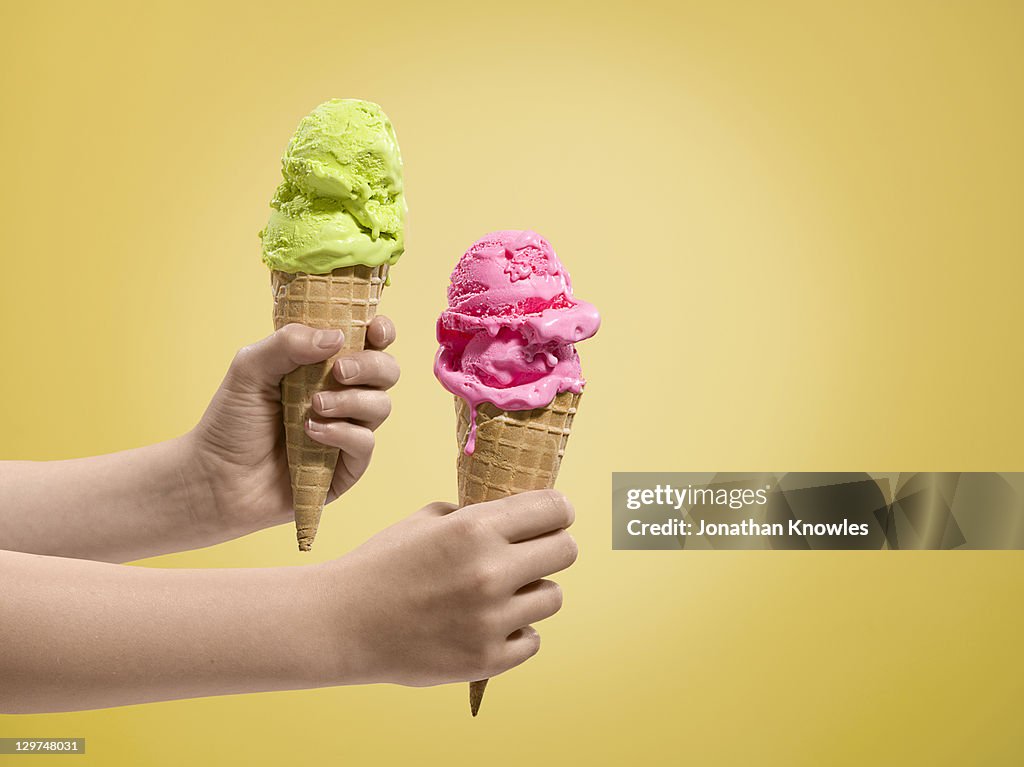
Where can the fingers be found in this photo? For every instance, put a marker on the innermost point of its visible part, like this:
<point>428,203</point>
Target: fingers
<point>527,515</point>
<point>367,368</point>
<point>365,407</point>
<point>521,645</point>
<point>380,333</point>
<point>355,442</point>
<point>266,362</point>
<point>541,556</point>
<point>533,603</point>
<point>362,404</point>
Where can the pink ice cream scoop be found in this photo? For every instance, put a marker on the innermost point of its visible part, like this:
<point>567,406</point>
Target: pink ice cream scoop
<point>507,335</point>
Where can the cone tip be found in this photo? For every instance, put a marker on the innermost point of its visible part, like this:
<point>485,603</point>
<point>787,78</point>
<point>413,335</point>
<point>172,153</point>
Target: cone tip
<point>476,695</point>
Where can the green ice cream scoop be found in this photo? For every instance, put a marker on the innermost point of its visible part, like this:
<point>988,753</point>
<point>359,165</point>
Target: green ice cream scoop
<point>341,202</point>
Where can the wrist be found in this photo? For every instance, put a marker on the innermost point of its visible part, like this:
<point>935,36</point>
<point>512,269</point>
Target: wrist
<point>233,495</point>
<point>213,506</point>
<point>346,650</point>
<point>195,485</point>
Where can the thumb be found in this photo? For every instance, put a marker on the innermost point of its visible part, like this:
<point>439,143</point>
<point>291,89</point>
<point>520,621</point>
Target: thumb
<point>266,362</point>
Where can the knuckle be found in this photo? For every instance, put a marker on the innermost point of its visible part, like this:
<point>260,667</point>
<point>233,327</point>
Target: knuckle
<point>242,370</point>
<point>569,510</point>
<point>484,579</point>
<point>462,525</point>
<point>439,508</point>
<point>388,365</point>
<point>243,357</point>
<point>366,440</point>
<point>560,507</point>
<point>570,550</point>
<point>531,641</point>
<point>468,527</point>
<point>291,332</point>
<point>557,596</point>
<point>381,401</point>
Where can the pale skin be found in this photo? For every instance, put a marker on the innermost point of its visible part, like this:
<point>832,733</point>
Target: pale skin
<point>445,595</point>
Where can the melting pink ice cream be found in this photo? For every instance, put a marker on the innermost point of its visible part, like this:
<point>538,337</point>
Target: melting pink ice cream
<point>507,335</point>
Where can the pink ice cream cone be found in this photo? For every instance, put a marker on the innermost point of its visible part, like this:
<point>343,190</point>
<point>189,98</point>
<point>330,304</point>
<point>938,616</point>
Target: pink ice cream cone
<point>507,354</point>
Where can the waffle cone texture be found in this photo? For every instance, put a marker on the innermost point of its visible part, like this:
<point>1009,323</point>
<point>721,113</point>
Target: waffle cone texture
<point>345,299</point>
<point>516,451</point>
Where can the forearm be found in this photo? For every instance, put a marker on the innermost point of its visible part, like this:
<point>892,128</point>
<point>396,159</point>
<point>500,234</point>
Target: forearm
<point>114,508</point>
<point>78,635</point>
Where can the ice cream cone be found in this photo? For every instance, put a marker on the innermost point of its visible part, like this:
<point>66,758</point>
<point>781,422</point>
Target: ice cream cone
<point>506,349</point>
<point>515,451</point>
<point>345,299</point>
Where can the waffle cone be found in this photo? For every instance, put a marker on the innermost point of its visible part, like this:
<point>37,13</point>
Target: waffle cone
<point>345,299</point>
<point>516,451</point>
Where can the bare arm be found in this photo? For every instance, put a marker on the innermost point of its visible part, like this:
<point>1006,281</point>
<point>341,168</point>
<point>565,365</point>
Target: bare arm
<point>226,478</point>
<point>443,596</point>
<point>114,508</point>
<point>78,634</point>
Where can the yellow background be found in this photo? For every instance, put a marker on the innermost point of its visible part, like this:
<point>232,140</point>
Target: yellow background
<point>802,223</point>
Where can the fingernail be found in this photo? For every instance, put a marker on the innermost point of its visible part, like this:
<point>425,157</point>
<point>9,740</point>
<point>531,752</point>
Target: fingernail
<point>348,367</point>
<point>389,333</point>
<point>319,401</point>
<point>314,425</point>
<point>327,339</point>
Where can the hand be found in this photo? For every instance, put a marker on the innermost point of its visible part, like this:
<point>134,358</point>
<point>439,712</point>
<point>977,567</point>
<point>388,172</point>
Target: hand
<point>447,595</point>
<point>240,445</point>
